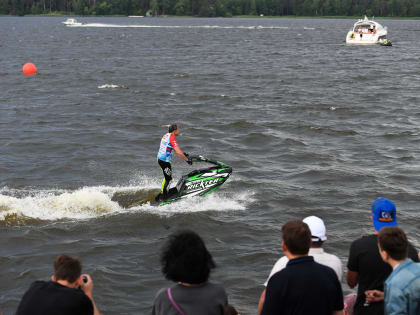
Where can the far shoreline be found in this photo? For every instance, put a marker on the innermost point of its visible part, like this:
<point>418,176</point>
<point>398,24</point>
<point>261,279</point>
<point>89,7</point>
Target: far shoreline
<point>68,14</point>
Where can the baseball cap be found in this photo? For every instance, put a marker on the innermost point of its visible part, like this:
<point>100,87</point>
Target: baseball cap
<point>317,227</point>
<point>384,213</point>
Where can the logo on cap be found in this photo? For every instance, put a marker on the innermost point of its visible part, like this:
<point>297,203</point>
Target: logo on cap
<point>385,216</point>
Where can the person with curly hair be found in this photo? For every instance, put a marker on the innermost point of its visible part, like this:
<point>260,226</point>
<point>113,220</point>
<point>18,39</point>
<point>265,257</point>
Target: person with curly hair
<point>186,261</point>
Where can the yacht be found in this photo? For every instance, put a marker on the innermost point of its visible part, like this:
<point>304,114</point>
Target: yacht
<point>71,22</point>
<point>367,32</point>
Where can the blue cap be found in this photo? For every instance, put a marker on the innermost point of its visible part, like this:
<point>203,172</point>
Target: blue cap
<point>384,213</point>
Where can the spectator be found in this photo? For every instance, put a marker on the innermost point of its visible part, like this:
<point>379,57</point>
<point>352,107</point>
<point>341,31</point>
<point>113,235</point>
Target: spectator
<point>365,266</point>
<point>318,232</point>
<point>303,286</point>
<point>186,261</point>
<point>402,288</point>
<point>68,293</point>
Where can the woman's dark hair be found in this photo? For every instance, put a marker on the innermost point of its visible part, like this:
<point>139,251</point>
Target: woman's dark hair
<point>185,258</point>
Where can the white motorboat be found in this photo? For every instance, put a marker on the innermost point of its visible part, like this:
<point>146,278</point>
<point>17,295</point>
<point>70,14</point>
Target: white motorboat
<point>71,22</point>
<point>367,32</point>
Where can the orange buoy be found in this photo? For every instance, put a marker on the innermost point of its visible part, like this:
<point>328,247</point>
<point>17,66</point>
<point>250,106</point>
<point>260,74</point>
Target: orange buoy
<point>29,68</point>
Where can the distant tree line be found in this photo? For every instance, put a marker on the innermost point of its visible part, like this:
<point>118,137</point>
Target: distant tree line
<point>210,8</point>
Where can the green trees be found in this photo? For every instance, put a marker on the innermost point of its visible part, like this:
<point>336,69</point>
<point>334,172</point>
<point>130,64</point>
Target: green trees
<point>154,6</point>
<point>393,8</point>
<point>4,7</point>
<point>415,10</point>
<point>80,7</point>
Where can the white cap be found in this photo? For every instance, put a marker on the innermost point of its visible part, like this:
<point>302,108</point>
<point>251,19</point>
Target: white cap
<point>317,227</point>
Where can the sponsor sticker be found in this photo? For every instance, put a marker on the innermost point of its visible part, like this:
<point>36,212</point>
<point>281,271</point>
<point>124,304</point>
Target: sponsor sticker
<point>201,184</point>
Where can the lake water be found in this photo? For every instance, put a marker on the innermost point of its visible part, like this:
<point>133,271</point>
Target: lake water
<point>310,125</point>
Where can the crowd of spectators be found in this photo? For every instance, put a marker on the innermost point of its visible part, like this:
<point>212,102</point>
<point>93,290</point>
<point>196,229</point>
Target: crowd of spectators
<point>307,280</point>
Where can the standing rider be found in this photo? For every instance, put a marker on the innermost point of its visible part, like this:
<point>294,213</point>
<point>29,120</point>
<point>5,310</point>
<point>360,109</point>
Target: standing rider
<point>167,145</point>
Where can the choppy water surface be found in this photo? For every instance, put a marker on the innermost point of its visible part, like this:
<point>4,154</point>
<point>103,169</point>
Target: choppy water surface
<point>310,125</point>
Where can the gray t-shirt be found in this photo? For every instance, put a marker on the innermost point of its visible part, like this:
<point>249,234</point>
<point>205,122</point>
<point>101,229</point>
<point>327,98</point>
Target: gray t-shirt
<point>207,299</point>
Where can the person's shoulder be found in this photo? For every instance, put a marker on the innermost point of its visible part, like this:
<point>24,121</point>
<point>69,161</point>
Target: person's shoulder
<point>332,257</point>
<point>160,293</point>
<point>330,260</point>
<point>405,277</point>
<point>413,268</point>
<point>39,283</point>
<point>281,263</point>
<point>214,285</point>
<point>412,252</point>
<point>365,240</point>
<point>36,286</point>
<point>282,274</point>
<point>172,138</point>
<point>323,267</point>
<point>283,259</point>
<point>74,293</point>
<point>326,273</point>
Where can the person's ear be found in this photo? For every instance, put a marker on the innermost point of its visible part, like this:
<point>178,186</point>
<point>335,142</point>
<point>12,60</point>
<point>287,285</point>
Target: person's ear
<point>78,281</point>
<point>384,255</point>
<point>283,247</point>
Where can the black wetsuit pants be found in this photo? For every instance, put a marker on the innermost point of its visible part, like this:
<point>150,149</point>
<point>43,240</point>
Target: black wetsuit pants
<point>167,173</point>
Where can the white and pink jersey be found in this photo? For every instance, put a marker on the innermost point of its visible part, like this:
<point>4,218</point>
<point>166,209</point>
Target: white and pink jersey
<point>167,145</point>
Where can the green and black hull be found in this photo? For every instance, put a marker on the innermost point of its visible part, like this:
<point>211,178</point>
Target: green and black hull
<point>200,182</point>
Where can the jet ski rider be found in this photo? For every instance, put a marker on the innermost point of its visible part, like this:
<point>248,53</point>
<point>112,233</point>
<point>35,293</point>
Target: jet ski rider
<point>168,144</point>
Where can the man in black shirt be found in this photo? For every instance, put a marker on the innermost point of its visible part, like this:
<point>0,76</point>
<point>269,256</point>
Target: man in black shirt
<point>304,286</point>
<point>68,293</point>
<point>365,266</point>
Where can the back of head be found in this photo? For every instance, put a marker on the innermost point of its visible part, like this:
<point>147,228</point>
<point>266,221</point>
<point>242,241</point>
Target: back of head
<point>297,237</point>
<point>172,128</point>
<point>394,241</point>
<point>384,213</point>
<point>185,258</point>
<point>67,268</point>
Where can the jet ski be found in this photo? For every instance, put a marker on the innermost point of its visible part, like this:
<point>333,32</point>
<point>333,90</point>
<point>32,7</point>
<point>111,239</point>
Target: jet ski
<point>200,182</point>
